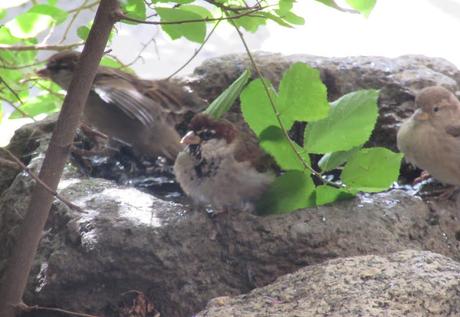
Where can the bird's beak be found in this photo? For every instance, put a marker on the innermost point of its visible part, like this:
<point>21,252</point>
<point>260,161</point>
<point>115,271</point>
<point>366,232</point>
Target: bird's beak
<point>44,73</point>
<point>420,115</point>
<point>190,138</point>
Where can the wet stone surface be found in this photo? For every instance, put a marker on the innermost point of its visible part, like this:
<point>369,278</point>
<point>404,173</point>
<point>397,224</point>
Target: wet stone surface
<point>138,231</point>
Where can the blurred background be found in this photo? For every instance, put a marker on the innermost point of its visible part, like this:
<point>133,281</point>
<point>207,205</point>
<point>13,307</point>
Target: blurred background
<point>394,28</point>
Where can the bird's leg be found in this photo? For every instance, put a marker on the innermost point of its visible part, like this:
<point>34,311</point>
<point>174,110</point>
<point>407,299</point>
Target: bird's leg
<point>423,176</point>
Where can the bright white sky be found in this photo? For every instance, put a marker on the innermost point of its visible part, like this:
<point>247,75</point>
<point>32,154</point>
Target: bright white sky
<point>395,27</point>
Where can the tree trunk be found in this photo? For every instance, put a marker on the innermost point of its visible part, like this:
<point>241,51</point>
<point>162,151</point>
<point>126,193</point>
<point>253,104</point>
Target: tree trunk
<point>20,262</point>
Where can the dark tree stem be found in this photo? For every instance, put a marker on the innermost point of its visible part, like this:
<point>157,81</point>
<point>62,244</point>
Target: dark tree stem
<point>20,263</point>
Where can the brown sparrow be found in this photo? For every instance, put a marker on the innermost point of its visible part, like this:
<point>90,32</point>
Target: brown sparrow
<point>430,138</point>
<point>221,166</point>
<point>142,113</point>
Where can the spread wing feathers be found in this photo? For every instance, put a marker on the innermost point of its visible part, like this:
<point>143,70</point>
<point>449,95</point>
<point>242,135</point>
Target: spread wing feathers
<point>128,99</point>
<point>453,130</point>
<point>175,99</point>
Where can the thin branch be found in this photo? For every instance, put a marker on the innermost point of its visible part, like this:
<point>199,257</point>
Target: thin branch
<point>196,52</point>
<point>277,114</point>
<point>27,308</point>
<point>18,98</point>
<point>13,67</point>
<point>39,181</point>
<point>232,9</point>
<point>8,163</point>
<point>24,114</point>
<point>40,47</point>
<point>84,7</point>
<point>72,20</point>
<point>122,16</point>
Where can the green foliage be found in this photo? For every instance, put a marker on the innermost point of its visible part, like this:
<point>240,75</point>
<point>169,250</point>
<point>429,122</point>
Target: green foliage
<point>226,99</point>
<point>349,124</point>
<point>37,105</point>
<point>291,191</point>
<point>306,101</point>
<point>195,31</point>
<point>134,9</point>
<point>372,170</point>
<point>338,131</point>
<point>363,6</point>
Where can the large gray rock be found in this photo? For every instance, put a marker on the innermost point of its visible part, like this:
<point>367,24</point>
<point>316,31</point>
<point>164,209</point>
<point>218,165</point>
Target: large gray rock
<point>408,283</point>
<point>397,78</point>
<point>181,258</point>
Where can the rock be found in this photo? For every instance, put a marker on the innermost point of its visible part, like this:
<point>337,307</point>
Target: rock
<point>397,78</point>
<point>180,258</point>
<point>129,240</point>
<point>407,283</point>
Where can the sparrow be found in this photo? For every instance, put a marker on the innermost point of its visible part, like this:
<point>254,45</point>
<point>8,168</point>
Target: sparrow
<point>141,113</point>
<point>430,138</point>
<point>222,165</point>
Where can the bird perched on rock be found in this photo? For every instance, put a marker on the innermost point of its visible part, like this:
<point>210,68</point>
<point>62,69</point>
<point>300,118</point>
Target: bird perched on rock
<point>430,138</point>
<point>222,166</point>
<point>142,113</point>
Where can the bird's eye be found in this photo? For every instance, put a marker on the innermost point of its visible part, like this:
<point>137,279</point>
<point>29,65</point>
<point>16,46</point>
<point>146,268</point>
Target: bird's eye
<point>435,109</point>
<point>206,134</point>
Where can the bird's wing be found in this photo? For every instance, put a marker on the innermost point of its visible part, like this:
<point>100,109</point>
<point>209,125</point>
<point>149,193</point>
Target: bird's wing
<point>453,130</point>
<point>175,98</point>
<point>120,92</point>
<point>248,149</point>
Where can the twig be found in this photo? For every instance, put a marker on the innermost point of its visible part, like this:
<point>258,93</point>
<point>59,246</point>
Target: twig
<point>196,52</point>
<point>83,7</point>
<point>277,114</point>
<point>4,66</point>
<point>40,47</point>
<point>27,308</point>
<point>75,12</point>
<point>122,16</point>
<point>8,163</point>
<point>18,98</point>
<point>38,180</point>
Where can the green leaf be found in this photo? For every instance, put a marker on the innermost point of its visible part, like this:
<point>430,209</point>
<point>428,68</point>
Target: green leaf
<point>349,124</point>
<point>38,105</point>
<point>250,23</point>
<point>326,194</point>
<point>5,4</point>
<point>285,6</point>
<point>194,31</point>
<point>27,25</point>
<point>6,37</point>
<point>2,14</point>
<point>363,6</point>
<point>202,11</point>
<point>134,9</point>
<point>372,170</point>
<point>227,98</point>
<point>83,32</point>
<point>257,109</point>
<point>273,141</point>
<point>302,94</point>
<point>291,18</point>
<point>52,2</point>
<point>57,14</point>
<point>333,4</point>
<point>330,161</point>
<point>275,18</point>
<point>289,192</point>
